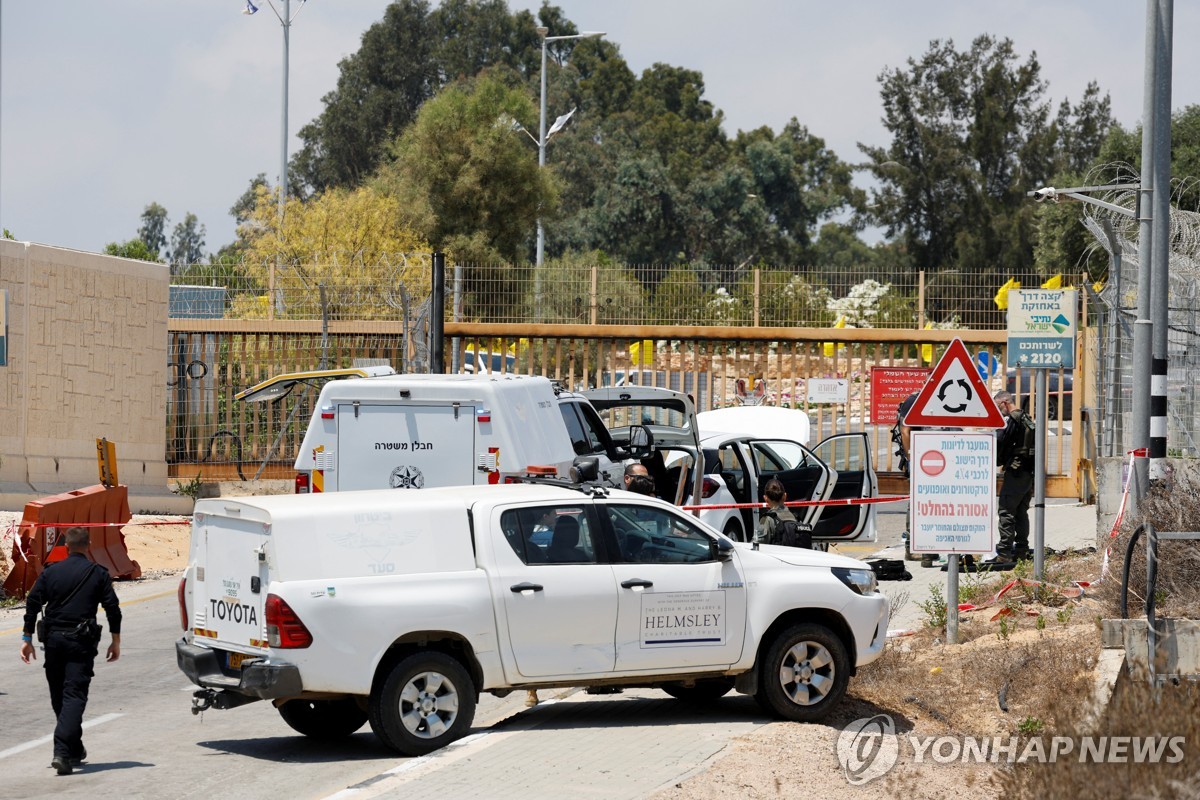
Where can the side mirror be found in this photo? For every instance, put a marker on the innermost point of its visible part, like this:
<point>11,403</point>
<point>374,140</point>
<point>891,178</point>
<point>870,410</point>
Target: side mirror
<point>641,441</point>
<point>724,549</point>
<point>585,470</point>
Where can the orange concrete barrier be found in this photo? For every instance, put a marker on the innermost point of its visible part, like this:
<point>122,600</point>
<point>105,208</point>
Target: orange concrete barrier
<point>39,539</point>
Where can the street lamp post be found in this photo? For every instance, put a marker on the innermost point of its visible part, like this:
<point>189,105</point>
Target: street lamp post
<point>285,21</point>
<point>541,143</point>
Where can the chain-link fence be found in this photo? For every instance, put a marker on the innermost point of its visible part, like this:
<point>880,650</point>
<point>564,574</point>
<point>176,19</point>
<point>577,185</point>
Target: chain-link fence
<point>1116,234</point>
<point>397,288</point>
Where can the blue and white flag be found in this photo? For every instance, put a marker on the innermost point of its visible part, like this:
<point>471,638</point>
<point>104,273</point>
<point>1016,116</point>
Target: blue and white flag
<point>250,8</point>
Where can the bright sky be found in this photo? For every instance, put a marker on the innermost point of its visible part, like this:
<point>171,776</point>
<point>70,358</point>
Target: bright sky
<point>108,106</point>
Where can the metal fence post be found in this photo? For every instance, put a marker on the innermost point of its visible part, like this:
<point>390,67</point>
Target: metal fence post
<point>437,316</point>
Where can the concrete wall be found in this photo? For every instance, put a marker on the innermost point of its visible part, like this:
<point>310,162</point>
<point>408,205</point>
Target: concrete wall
<point>86,359</point>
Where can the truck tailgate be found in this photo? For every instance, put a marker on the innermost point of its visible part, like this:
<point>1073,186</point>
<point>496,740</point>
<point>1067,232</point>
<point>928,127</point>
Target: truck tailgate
<point>231,586</point>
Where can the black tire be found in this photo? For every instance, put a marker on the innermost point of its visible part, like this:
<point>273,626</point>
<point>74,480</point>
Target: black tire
<point>733,530</point>
<point>804,673</point>
<point>323,719</point>
<point>425,703</point>
<point>707,690</point>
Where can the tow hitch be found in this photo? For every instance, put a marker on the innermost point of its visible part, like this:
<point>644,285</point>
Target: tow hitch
<point>204,699</point>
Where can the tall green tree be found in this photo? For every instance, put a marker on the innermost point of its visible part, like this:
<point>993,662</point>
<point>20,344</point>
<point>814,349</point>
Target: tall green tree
<point>1124,146</point>
<point>466,179</point>
<point>971,134</point>
<point>187,242</point>
<point>403,61</point>
<point>153,231</point>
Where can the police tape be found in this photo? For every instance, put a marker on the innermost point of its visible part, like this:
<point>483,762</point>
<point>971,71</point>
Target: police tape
<point>180,521</point>
<point>845,501</point>
<point>1140,452</point>
<point>9,539</point>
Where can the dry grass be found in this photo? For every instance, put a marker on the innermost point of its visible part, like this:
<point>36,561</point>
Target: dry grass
<point>965,688</point>
<point>1171,507</point>
<point>1044,672</point>
<point>1135,710</point>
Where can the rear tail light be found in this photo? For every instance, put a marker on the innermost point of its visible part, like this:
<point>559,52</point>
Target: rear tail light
<point>512,479</point>
<point>709,487</point>
<point>284,628</point>
<point>493,459</point>
<point>302,483</point>
<point>183,615</point>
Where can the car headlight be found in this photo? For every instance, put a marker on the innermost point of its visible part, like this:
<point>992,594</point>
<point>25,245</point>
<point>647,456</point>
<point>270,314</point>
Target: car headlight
<point>858,580</point>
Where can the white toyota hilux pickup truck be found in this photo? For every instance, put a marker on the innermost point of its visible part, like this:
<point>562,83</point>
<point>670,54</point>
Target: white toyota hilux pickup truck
<point>401,608</point>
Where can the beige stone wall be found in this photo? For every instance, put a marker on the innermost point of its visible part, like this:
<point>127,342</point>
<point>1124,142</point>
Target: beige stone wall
<point>86,358</point>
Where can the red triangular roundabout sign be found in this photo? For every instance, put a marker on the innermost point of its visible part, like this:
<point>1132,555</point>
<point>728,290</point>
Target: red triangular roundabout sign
<point>954,396</point>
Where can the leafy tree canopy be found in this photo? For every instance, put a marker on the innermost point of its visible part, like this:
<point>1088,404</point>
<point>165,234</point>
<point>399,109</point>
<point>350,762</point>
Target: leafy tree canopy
<point>971,134</point>
<point>352,241</point>
<point>153,231</point>
<point>134,248</point>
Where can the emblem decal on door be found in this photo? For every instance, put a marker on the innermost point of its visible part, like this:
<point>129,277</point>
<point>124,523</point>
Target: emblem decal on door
<point>683,619</point>
<point>406,478</point>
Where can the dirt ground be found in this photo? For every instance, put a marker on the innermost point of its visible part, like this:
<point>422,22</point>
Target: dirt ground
<point>783,757</point>
<point>158,543</point>
<point>158,547</point>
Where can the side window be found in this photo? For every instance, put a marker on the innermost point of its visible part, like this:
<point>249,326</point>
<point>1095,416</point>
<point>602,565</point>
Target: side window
<point>550,534</point>
<point>778,456</point>
<point>844,453</point>
<point>647,535</point>
<point>579,437</point>
<point>593,425</point>
<point>731,468</point>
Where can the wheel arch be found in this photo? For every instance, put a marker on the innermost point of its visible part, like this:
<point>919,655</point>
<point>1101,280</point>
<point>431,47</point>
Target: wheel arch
<point>821,616</point>
<point>747,682</point>
<point>449,643</point>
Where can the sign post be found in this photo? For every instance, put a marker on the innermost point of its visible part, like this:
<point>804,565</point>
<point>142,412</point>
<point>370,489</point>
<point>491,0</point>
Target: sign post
<point>1041,336</point>
<point>952,495</point>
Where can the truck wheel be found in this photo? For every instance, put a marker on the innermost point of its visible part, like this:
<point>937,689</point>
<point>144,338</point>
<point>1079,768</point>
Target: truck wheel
<point>426,702</point>
<point>705,691</point>
<point>734,531</point>
<point>804,674</point>
<point>323,719</point>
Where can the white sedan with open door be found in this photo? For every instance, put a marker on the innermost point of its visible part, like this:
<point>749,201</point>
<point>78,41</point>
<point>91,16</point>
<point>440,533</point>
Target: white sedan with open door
<point>745,447</point>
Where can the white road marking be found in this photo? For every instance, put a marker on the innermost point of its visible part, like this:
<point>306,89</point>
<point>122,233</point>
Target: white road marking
<point>21,748</point>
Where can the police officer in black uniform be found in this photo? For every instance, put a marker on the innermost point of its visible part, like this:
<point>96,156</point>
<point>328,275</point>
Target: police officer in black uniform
<point>1015,454</point>
<point>70,591</point>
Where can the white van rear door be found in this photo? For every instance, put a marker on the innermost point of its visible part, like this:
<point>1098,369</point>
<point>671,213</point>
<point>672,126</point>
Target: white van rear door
<point>383,446</point>
<point>231,584</point>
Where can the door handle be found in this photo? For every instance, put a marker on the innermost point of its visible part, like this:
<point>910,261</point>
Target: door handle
<point>518,588</point>
<point>636,583</point>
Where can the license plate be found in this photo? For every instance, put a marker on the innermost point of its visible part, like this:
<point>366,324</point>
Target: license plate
<point>236,660</point>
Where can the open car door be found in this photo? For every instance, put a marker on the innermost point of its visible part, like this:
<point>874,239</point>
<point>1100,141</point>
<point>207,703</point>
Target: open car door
<point>803,475</point>
<point>670,417</point>
<point>848,455</point>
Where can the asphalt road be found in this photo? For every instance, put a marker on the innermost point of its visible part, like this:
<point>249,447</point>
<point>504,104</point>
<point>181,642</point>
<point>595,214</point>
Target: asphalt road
<point>143,740</point>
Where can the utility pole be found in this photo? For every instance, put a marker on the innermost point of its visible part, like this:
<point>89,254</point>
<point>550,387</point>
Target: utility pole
<point>1159,268</point>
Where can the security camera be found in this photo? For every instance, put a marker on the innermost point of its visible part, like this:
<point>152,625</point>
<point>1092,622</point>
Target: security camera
<point>1045,193</point>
